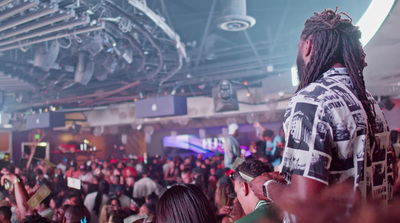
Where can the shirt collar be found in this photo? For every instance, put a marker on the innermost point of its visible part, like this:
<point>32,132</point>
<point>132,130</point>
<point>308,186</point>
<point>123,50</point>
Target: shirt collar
<point>335,71</point>
<point>261,203</point>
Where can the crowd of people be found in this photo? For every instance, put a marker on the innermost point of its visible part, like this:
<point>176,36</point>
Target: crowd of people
<point>125,187</point>
<point>335,159</point>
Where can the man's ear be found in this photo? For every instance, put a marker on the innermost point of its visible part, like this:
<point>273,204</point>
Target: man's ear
<point>245,188</point>
<point>308,46</point>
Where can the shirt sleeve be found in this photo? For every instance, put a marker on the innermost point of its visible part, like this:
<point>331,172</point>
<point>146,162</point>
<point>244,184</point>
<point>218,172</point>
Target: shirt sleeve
<point>309,141</point>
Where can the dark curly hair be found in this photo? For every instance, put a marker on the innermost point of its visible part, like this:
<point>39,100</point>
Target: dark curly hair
<point>337,40</point>
<point>253,168</point>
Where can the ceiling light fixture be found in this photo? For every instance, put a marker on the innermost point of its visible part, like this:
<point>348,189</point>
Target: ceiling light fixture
<point>19,8</point>
<point>373,18</point>
<point>28,17</point>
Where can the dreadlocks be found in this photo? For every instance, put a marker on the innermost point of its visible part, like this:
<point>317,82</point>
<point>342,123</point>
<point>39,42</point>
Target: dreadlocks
<point>337,40</point>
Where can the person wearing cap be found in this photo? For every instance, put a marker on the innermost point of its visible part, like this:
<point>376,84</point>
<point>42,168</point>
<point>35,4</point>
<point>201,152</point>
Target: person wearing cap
<point>256,210</point>
<point>231,148</point>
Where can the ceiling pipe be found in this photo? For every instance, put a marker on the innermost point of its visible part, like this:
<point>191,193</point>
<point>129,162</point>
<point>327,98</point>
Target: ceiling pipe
<point>29,17</point>
<point>18,8</point>
<point>46,30</point>
<point>59,16</point>
<point>54,36</point>
<point>4,2</point>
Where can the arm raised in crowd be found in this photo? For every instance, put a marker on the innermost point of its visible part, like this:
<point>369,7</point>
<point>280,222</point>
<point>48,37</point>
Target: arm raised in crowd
<point>21,195</point>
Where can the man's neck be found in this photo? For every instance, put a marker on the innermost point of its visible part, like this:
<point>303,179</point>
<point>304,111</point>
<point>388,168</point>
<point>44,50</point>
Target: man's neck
<point>251,203</point>
<point>337,65</point>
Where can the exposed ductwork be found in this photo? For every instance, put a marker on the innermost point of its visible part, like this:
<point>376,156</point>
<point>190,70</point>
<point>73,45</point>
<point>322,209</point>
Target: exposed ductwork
<point>234,16</point>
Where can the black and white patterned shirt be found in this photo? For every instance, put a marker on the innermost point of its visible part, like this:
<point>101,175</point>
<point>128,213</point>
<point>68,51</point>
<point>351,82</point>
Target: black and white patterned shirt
<point>326,130</point>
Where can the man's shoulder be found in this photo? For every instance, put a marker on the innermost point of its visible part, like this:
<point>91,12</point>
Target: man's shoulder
<point>145,181</point>
<point>90,195</point>
<point>265,213</point>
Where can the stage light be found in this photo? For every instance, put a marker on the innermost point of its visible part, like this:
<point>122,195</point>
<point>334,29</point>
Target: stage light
<point>373,18</point>
<point>59,16</point>
<point>47,30</point>
<point>54,36</point>
<point>19,8</point>
<point>28,17</point>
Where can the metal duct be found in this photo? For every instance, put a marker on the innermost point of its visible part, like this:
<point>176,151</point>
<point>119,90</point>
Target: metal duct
<point>234,16</point>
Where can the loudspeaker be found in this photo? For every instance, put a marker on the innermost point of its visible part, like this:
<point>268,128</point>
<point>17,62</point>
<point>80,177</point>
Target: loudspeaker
<point>162,106</point>
<point>45,120</point>
<point>225,97</point>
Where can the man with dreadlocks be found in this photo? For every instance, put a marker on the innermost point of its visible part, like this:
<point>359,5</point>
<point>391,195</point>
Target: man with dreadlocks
<point>335,130</point>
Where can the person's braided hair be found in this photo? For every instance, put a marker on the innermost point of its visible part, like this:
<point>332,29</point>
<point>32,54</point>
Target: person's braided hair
<point>337,40</point>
